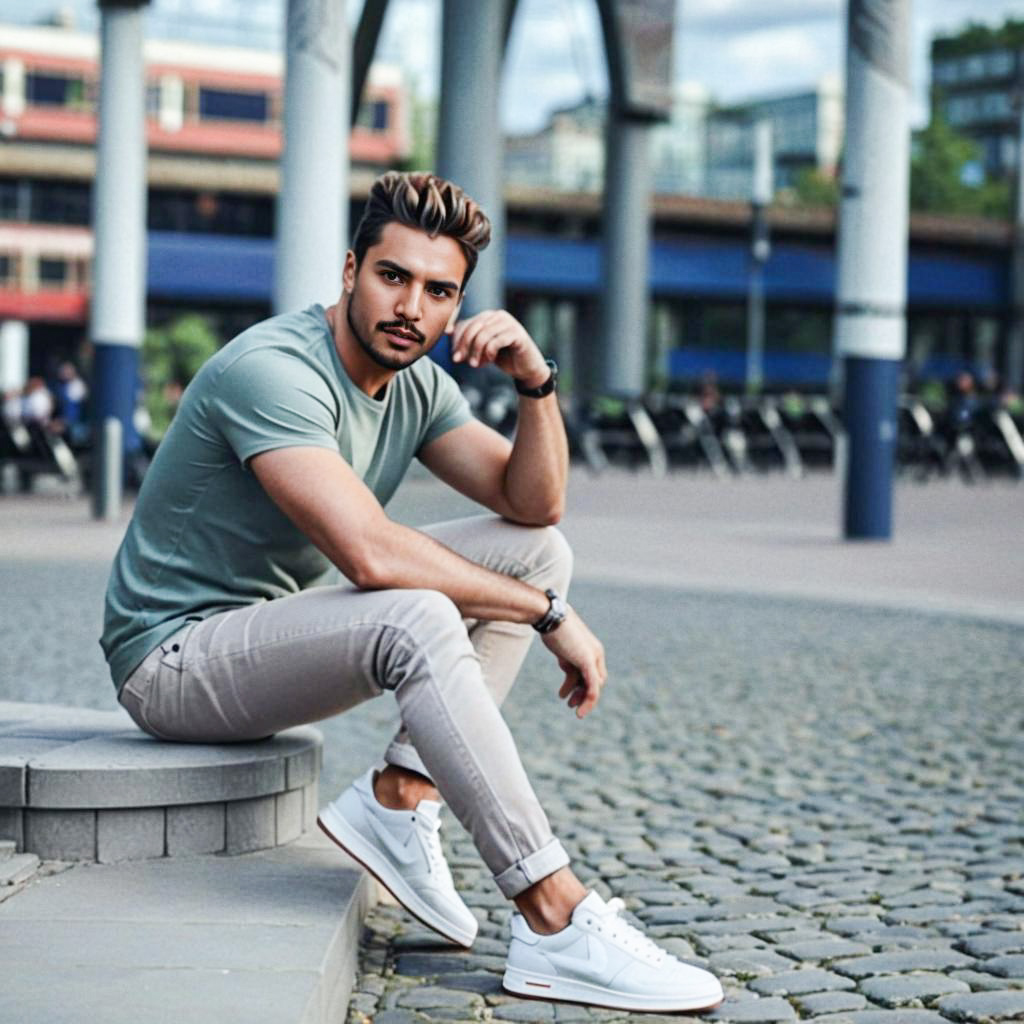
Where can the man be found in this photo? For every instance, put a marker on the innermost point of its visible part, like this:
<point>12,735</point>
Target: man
<point>226,618</point>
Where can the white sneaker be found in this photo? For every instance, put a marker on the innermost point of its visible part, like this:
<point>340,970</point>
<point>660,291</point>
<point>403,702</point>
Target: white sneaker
<point>601,959</point>
<point>402,850</point>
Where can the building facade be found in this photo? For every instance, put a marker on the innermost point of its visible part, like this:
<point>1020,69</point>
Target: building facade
<point>977,84</point>
<point>807,134</point>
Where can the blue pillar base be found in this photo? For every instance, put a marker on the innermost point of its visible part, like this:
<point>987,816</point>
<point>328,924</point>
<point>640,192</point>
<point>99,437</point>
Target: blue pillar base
<point>115,384</point>
<point>870,411</point>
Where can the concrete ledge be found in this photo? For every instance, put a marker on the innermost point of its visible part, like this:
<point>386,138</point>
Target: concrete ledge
<point>263,938</point>
<point>88,785</point>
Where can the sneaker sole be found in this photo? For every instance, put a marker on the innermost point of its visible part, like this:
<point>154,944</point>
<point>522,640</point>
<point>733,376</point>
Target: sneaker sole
<point>341,833</point>
<point>552,989</point>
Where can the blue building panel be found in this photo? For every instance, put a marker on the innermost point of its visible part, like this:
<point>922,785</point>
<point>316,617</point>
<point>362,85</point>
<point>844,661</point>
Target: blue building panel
<point>552,265</point>
<point>242,269</point>
<point>730,366</point>
<point>210,267</point>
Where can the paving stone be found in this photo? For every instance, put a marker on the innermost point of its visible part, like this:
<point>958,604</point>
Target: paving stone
<point>525,1011</point>
<point>1005,966</point>
<point>981,982</point>
<point>823,949</point>
<point>830,1002</point>
<point>195,829</point>
<point>984,1006</point>
<point>904,960</point>
<point>902,990</point>
<point>749,962</point>
<point>480,982</point>
<point>753,1010</point>
<point>994,943</point>
<point>429,996</point>
<point>396,1017</point>
<point>250,824</point>
<point>134,834</point>
<point>795,983</point>
<point>901,1016</point>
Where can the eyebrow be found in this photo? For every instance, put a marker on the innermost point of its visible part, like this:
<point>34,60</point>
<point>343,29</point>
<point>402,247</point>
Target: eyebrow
<point>399,269</point>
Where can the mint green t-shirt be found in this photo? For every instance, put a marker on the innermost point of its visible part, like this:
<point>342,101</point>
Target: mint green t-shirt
<point>205,536</point>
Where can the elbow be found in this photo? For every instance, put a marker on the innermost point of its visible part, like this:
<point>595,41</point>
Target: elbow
<point>541,515</point>
<point>367,572</point>
<point>552,516</point>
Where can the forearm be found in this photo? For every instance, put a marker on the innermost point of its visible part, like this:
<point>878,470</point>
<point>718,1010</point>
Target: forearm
<point>538,468</point>
<point>402,558</point>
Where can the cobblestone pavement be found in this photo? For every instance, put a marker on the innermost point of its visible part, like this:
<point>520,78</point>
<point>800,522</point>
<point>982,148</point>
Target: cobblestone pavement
<point>820,801</point>
<point>820,804</point>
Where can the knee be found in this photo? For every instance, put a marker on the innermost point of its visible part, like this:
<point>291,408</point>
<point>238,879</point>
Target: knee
<point>432,613</point>
<point>554,557</point>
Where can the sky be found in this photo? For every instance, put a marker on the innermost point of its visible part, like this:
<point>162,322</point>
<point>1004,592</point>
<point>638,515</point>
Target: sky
<point>737,49</point>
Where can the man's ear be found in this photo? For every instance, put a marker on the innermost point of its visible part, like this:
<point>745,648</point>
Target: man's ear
<point>348,274</point>
<point>453,319</point>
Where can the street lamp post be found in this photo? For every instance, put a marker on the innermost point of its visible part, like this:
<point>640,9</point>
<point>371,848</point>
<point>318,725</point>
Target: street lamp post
<point>760,249</point>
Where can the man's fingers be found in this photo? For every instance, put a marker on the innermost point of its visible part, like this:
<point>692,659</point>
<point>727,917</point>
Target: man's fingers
<point>592,680</point>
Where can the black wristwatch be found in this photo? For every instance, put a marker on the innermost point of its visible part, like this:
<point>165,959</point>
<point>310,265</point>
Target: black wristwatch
<point>554,616</point>
<point>546,388</point>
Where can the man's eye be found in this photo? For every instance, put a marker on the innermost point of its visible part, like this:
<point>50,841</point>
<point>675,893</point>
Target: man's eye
<point>441,293</point>
<point>391,275</point>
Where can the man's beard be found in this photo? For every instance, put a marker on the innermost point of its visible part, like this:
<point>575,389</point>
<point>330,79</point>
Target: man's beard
<point>382,359</point>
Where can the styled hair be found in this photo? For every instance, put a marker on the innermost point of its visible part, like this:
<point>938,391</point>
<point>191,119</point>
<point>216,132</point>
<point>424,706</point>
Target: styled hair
<point>428,203</point>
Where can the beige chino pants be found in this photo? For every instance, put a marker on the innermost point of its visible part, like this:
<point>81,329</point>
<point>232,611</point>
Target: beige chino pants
<point>247,673</point>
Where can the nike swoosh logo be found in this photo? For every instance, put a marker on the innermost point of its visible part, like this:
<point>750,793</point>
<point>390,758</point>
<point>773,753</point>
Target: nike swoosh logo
<point>399,851</point>
<point>593,966</point>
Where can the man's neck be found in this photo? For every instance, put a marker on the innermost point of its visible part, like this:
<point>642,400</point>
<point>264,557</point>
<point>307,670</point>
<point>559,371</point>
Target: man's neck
<point>367,375</point>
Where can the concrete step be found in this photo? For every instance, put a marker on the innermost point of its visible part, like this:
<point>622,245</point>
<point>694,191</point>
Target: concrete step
<point>260,938</point>
<point>77,784</point>
<point>19,868</point>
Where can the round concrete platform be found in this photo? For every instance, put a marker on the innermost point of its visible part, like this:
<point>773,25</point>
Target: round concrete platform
<point>88,785</point>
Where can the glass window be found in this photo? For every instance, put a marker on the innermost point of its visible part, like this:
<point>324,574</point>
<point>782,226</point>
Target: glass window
<point>46,90</point>
<point>975,66</point>
<point>6,268</point>
<point>381,115</point>
<point>153,99</point>
<point>52,271</point>
<point>1000,62</point>
<point>228,105</point>
<point>59,202</point>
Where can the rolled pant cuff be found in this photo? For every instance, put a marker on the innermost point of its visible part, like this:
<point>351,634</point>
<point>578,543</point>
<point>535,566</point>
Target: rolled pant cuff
<point>403,755</point>
<point>530,870</point>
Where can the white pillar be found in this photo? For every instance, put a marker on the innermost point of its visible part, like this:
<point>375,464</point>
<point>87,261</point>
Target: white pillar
<point>13,355</point>
<point>469,140</point>
<point>118,310</point>
<point>312,217</point>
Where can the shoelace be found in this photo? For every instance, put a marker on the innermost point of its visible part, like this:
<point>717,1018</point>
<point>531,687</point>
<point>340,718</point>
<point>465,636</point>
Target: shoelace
<point>631,939</point>
<point>431,831</point>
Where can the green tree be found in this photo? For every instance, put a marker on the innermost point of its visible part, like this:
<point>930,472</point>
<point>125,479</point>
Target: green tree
<point>936,175</point>
<point>171,357</point>
<point>812,187</point>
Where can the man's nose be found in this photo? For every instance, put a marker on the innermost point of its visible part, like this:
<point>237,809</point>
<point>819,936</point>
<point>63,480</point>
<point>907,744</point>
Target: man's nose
<point>410,302</point>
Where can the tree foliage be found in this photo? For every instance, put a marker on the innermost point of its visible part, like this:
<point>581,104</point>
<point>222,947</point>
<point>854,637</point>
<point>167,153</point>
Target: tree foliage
<point>937,167</point>
<point>171,357</point>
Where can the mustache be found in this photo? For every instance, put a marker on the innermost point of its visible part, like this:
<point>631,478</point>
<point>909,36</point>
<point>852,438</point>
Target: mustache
<point>402,325</point>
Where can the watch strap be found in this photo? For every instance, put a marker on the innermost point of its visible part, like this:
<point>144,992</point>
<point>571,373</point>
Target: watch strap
<point>544,389</point>
<point>554,616</point>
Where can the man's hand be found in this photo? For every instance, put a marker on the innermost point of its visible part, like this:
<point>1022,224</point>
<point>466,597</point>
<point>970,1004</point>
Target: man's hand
<point>581,657</point>
<point>495,336</point>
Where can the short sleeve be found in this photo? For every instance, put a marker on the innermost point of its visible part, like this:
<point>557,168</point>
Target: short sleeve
<point>270,399</point>
<point>448,408</point>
